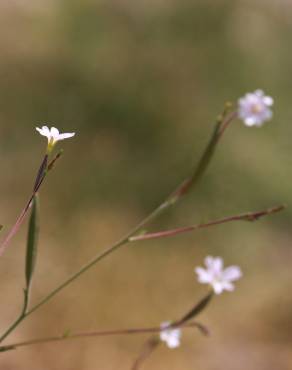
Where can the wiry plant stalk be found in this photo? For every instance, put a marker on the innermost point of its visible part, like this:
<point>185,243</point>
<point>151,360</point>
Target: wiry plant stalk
<point>250,216</point>
<point>99,333</point>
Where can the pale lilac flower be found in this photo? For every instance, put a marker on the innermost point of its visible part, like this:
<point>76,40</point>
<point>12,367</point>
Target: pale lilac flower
<point>254,108</point>
<point>170,336</point>
<point>53,135</point>
<point>218,278</point>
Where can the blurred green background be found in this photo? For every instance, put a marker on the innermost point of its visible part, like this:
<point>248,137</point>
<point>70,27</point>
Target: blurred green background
<point>141,82</point>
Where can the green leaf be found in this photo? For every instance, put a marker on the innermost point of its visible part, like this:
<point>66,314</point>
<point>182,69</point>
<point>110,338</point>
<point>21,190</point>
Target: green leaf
<point>32,241</point>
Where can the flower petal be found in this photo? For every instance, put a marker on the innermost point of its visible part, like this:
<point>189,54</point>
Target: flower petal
<point>226,285</point>
<point>250,121</point>
<point>218,287</point>
<point>231,273</point>
<point>209,261</point>
<point>259,93</point>
<point>170,336</point>
<point>217,265</point>
<point>269,101</point>
<point>203,275</point>
<point>66,136</point>
<point>44,131</point>
<point>55,133</point>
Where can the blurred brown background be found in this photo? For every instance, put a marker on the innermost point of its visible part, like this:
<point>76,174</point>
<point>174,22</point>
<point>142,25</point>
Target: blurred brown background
<point>141,81</point>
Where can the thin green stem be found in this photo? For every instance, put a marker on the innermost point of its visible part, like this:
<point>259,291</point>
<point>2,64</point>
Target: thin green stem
<point>25,313</point>
<point>20,317</point>
<point>74,276</point>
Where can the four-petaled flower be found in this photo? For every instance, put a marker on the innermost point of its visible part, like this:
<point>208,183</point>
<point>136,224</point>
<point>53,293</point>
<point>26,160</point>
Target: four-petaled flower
<point>254,108</point>
<point>170,336</point>
<point>53,135</point>
<point>220,279</point>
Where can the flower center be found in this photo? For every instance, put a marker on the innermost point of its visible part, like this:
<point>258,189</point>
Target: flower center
<point>256,108</point>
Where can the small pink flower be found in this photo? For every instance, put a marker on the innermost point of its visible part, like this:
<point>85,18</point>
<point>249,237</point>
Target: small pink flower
<point>254,108</point>
<point>53,135</point>
<point>170,336</point>
<point>220,279</point>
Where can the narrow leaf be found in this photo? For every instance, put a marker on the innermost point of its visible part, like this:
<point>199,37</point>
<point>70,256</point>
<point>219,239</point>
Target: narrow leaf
<point>222,123</point>
<point>41,173</point>
<point>199,307</point>
<point>32,240</point>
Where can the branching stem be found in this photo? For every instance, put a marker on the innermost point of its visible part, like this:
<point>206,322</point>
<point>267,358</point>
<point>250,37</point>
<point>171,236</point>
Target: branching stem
<point>100,333</point>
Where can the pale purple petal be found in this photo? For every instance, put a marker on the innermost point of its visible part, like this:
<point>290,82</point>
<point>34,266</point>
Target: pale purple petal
<point>217,265</point>
<point>66,136</point>
<point>218,287</point>
<point>173,342</point>
<point>39,130</point>
<point>209,262</point>
<point>249,121</point>
<point>55,133</point>
<point>170,336</point>
<point>268,100</point>
<point>259,93</point>
<point>228,286</point>
<point>44,131</point>
<point>232,273</point>
<point>203,275</point>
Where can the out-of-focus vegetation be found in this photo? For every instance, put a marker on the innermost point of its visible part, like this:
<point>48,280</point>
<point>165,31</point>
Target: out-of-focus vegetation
<point>141,82</point>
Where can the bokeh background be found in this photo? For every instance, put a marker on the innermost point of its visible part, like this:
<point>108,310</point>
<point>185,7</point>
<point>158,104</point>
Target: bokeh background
<point>141,82</point>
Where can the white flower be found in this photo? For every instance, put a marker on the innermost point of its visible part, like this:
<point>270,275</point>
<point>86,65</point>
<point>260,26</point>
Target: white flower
<point>254,108</point>
<point>218,278</point>
<point>53,135</point>
<point>170,336</point>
